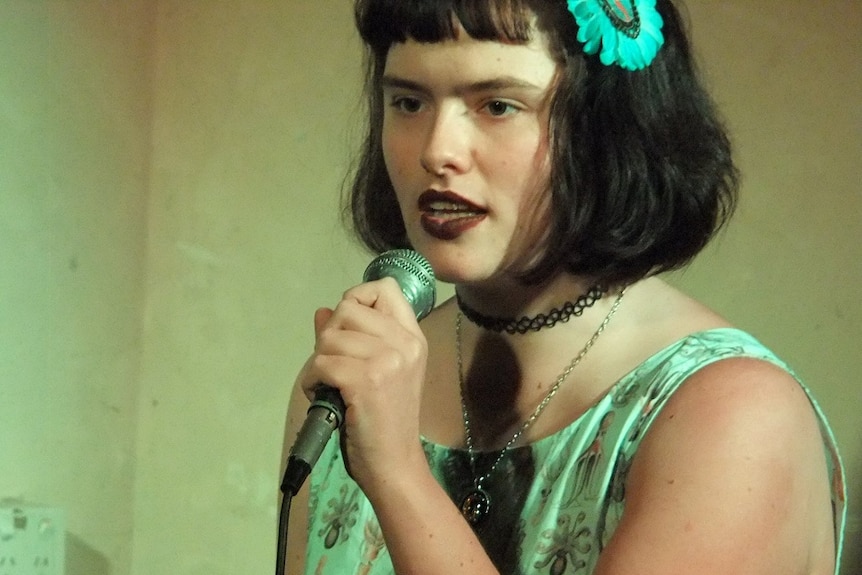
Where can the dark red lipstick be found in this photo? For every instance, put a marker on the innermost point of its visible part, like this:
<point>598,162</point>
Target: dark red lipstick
<point>446,215</point>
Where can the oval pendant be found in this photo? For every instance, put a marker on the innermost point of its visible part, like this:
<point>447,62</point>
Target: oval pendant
<point>475,506</point>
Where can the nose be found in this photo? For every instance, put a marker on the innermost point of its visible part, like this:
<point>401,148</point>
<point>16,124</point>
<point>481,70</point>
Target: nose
<point>447,143</point>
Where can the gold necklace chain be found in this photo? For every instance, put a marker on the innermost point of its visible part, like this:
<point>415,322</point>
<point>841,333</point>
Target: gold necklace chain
<point>476,504</point>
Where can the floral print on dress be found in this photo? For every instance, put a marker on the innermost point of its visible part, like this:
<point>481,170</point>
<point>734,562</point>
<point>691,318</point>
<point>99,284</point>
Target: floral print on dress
<point>565,546</point>
<point>589,460</point>
<point>372,545</point>
<point>339,516</point>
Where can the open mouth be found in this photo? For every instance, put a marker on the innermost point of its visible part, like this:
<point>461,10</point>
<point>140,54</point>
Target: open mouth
<point>446,215</point>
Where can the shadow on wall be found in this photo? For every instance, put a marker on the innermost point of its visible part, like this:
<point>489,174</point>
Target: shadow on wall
<point>82,559</point>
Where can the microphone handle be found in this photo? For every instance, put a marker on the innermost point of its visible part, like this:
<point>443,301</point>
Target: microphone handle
<point>324,416</point>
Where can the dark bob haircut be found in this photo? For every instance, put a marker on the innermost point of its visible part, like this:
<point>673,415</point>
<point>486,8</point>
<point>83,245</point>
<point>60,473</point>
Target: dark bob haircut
<point>641,169</point>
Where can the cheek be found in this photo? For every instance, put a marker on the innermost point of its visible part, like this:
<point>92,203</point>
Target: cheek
<point>394,155</point>
<point>396,161</point>
<point>529,166</point>
<point>388,148</point>
<point>522,149</point>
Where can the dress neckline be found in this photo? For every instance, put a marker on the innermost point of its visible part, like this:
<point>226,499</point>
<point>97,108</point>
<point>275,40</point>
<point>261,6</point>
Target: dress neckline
<point>658,356</point>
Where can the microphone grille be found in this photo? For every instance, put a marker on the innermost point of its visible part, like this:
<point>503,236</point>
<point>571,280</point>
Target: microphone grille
<point>412,272</point>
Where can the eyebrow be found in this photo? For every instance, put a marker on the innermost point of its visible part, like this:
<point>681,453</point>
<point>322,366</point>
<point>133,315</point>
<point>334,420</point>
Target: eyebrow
<point>497,83</point>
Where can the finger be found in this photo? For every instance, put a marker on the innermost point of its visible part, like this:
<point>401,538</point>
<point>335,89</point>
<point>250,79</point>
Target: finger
<point>361,379</point>
<point>346,359</point>
<point>385,296</point>
<point>351,314</point>
<point>321,316</point>
<point>336,369</point>
<point>359,345</point>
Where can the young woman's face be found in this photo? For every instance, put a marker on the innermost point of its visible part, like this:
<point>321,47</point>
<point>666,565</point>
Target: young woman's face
<point>465,141</point>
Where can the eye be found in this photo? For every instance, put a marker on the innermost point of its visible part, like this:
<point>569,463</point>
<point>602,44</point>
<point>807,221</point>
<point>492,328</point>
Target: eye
<point>500,108</point>
<point>406,104</point>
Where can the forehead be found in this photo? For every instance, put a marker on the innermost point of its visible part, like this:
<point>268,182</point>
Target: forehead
<point>465,58</point>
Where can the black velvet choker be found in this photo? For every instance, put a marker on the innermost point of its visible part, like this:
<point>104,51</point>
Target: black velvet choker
<point>537,322</point>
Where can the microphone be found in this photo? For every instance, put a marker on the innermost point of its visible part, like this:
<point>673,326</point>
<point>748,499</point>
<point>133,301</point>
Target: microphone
<point>416,280</point>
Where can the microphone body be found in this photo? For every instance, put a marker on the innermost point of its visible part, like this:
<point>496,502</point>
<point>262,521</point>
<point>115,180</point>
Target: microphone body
<point>326,413</point>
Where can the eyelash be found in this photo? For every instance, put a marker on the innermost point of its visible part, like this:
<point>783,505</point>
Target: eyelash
<point>509,108</point>
<point>400,103</point>
<point>496,108</point>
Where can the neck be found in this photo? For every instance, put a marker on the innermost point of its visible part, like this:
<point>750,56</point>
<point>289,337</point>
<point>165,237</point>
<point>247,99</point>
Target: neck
<point>514,299</point>
<point>503,378</point>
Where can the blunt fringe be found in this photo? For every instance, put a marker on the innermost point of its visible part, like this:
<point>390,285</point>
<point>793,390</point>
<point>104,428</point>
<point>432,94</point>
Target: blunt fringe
<point>642,176</point>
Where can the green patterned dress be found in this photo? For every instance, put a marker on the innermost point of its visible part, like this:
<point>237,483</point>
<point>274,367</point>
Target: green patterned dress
<point>563,495</point>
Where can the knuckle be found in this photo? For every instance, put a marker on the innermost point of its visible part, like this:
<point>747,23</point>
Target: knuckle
<point>381,370</point>
<point>318,365</point>
<point>323,340</point>
<point>416,348</point>
<point>390,284</point>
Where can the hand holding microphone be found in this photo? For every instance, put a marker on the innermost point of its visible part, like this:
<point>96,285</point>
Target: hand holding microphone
<point>416,280</point>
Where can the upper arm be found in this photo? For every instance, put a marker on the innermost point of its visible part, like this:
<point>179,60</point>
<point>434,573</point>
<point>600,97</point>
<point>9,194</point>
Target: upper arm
<point>296,536</point>
<point>730,478</point>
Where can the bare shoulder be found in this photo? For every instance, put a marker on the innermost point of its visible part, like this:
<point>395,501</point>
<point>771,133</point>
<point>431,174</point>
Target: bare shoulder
<point>738,408</point>
<point>734,469</point>
<point>656,305</point>
<point>752,394</point>
<point>655,315</point>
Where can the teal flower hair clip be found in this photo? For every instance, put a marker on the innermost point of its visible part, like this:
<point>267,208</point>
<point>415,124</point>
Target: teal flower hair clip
<point>628,31</point>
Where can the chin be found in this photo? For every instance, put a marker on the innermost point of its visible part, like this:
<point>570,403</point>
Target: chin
<point>461,262</point>
<point>449,264</point>
<point>464,271</point>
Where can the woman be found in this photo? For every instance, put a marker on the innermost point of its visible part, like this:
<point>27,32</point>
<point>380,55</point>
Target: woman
<point>567,411</point>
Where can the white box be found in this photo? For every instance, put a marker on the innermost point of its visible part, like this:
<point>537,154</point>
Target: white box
<point>32,540</point>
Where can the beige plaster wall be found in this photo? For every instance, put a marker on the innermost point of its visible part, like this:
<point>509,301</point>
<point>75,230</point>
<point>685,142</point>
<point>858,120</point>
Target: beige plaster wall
<point>251,100</point>
<point>74,159</point>
<point>173,467</point>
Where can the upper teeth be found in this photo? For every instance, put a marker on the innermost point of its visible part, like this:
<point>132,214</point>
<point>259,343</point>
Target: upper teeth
<point>445,206</point>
